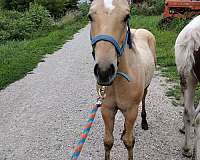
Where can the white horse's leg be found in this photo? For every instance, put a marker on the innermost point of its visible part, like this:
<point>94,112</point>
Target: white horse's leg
<point>189,91</point>
<point>196,155</point>
<point>183,87</point>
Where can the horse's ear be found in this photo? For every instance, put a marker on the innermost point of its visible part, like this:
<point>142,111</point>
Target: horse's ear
<point>130,40</point>
<point>129,2</point>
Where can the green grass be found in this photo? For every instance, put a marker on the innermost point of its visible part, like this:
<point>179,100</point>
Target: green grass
<point>19,58</point>
<point>165,48</point>
<point>165,41</point>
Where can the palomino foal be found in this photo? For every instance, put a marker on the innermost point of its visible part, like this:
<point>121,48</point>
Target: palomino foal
<point>126,68</point>
<point>187,52</point>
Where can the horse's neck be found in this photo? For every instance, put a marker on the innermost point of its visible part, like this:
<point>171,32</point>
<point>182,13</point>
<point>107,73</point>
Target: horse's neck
<point>129,59</point>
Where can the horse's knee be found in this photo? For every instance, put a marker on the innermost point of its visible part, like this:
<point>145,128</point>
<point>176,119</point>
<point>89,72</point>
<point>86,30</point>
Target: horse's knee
<point>188,116</point>
<point>129,142</point>
<point>183,83</point>
<point>108,143</point>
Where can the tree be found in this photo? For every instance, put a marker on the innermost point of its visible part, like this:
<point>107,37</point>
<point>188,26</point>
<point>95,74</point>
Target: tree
<point>19,5</point>
<point>57,8</point>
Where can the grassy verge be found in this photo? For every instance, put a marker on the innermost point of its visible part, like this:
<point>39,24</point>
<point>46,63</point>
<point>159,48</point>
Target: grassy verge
<point>165,43</point>
<point>19,58</point>
<point>165,50</point>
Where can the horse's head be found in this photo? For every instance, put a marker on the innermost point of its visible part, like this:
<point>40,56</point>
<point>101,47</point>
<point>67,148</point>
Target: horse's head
<point>109,20</point>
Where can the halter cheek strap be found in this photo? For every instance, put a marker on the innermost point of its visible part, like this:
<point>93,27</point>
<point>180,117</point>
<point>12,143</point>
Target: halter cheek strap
<point>124,75</point>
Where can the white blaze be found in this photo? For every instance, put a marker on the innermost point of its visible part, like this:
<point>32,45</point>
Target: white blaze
<point>109,4</point>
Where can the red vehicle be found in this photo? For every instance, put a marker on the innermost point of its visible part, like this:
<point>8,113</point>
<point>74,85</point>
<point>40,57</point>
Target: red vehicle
<point>181,8</point>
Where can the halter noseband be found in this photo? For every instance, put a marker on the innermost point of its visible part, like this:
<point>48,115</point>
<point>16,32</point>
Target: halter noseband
<point>108,38</point>
<point>113,41</point>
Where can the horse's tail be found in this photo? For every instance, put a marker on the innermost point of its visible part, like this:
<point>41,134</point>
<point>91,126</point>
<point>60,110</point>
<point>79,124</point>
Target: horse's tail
<point>150,38</point>
<point>186,44</point>
<point>152,46</point>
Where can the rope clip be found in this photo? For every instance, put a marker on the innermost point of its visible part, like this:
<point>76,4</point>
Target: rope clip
<point>102,95</point>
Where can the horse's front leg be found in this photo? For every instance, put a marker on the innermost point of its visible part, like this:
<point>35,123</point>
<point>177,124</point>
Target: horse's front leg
<point>128,136</point>
<point>108,115</point>
<point>189,92</point>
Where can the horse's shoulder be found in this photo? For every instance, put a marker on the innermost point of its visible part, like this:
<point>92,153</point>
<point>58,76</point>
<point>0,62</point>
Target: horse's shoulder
<point>143,33</point>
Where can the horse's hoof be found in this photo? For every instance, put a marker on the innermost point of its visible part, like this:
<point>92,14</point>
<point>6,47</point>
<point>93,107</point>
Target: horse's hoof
<point>194,154</point>
<point>187,153</point>
<point>145,126</point>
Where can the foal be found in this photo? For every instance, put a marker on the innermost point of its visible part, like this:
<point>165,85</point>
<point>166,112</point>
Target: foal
<point>187,52</point>
<point>124,66</point>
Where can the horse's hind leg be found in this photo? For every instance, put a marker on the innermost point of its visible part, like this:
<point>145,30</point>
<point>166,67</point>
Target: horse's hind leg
<point>108,115</point>
<point>143,113</point>
<point>197,138</point>
<point>189,92</point>
<point>183,87</point>
<point>128,134</point>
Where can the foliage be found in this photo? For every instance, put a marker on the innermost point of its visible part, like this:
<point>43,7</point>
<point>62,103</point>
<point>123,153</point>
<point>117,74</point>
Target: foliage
<point>17,58</point>
<point>84,9</point>
<point>151,7</point>
<point>174,24</point>
<point>19,5</point>
<point>18,26</point>
<point>57,8</point>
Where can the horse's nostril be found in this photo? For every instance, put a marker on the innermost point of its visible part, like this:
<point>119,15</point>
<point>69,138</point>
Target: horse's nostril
<point>112,69</point>
<point>96,70</point>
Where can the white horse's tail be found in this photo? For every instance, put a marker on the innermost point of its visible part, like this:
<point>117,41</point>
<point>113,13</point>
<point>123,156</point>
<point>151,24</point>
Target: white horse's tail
<point>186,44</point>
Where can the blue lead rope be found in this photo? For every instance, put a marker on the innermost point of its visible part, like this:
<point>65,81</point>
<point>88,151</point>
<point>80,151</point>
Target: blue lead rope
<point>85,132</point>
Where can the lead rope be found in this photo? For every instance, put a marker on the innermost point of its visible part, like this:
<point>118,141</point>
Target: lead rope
<point>87,127</point>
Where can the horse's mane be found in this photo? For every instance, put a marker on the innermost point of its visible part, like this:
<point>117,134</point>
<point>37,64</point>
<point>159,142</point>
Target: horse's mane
<point>188,41</point>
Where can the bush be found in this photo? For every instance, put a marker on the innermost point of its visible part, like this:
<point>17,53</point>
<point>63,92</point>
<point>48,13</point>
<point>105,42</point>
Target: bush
<point>16,25</point>
<point>39,17</point>
<point>151,7</point>
<point>57,8</point>
<point>84,9</point>
<point>19,5</point>
<point>175,24</point>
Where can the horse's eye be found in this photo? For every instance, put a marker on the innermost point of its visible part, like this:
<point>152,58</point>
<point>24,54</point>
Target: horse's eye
<point>90,17</point>
<point>126,18</point>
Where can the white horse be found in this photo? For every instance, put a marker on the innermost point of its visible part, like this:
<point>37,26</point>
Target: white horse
<point>187,53</point>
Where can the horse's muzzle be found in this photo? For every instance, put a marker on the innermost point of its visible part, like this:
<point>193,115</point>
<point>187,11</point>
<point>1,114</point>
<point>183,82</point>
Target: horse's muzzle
<point>105,77</point>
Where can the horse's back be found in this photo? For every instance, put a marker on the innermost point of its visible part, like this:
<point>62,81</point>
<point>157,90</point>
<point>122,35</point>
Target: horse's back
<point>187,42</point>
<point>146,36</point>
<point>146,46</point>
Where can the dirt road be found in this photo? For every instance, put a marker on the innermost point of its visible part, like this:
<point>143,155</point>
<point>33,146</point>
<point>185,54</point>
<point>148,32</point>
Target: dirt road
<point>41,115</point>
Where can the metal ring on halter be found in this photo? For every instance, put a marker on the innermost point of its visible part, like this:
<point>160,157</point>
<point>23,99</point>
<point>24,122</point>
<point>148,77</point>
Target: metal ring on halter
<point>101,92</point>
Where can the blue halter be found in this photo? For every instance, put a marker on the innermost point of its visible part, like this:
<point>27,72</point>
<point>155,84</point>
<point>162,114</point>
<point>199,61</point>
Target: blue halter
<point>113,41</point>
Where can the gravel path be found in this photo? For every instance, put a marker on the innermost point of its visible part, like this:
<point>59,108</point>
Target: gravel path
<point>41,115</point>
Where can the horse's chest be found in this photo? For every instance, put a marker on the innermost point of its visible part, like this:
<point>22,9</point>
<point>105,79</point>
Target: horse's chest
<point>127,96</point>
<point>196,66</point>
